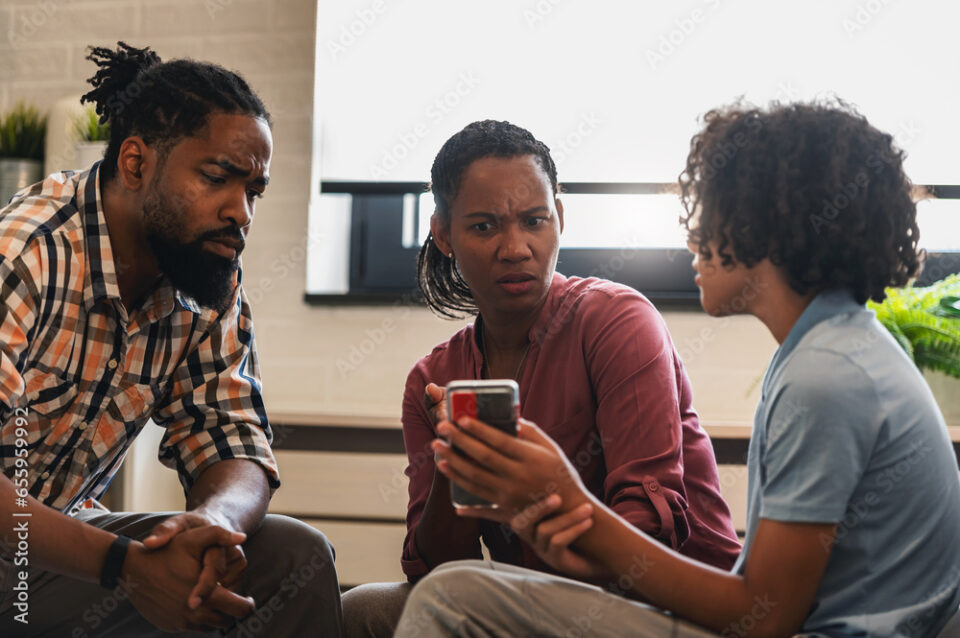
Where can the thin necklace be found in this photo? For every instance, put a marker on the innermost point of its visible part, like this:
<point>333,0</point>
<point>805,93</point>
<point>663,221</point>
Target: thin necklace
<point>486,368</point>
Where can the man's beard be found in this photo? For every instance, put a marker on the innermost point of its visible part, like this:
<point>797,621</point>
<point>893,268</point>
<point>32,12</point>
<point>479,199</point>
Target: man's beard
<point>205,277</point>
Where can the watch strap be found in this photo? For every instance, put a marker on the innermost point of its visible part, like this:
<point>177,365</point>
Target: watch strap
<point>113,563</point>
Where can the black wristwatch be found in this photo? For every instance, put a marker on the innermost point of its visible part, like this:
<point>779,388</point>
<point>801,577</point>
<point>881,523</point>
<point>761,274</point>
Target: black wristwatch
<point>113,563</point>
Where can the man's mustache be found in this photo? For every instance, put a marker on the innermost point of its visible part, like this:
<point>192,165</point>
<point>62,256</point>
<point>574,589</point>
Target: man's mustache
<point>231,234</point>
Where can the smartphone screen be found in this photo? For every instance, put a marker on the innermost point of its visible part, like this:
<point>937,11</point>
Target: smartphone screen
<point>496,402</point>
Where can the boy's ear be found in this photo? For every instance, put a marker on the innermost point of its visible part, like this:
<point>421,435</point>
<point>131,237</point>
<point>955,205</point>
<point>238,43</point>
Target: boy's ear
<point>560,212</point>
<point>441,235</point>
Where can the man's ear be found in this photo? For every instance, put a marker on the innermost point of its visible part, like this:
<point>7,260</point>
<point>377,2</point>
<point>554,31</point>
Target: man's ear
<point>560,212</point>
<point>135,163</point>
<point>441,236</point>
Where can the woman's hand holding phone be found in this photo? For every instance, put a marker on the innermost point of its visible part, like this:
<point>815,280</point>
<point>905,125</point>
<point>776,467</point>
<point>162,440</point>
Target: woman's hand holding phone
<point>536,489</point>
<point>512,472</point>
<point>435,401</point>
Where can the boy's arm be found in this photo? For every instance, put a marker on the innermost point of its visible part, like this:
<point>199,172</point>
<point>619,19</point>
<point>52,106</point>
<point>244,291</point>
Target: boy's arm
<point>772,598</point>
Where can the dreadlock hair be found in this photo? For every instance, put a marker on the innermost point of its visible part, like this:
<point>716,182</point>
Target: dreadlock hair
<point>811,186</point>
<point>162,102</point>
<point>439,280</point>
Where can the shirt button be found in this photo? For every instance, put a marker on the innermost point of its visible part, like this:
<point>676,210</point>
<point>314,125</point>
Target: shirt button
<point>112,363</point>
<point>82,426</point>
<point>45,475</point>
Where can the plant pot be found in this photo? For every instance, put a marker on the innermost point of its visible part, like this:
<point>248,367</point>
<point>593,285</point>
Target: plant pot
<point>88,153</point>
<point>15,174</point>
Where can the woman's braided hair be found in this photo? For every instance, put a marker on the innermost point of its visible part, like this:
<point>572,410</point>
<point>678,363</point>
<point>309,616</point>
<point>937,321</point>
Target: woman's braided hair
<point>441,284</point>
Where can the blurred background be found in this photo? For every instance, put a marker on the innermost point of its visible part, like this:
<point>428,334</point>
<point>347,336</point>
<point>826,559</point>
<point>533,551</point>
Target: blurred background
<point>364,92</point>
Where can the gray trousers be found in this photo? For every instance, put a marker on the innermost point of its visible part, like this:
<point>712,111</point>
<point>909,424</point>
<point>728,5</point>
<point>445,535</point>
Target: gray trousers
<point>290,574</point>
<point>478,598</point>
<point>373,610</point>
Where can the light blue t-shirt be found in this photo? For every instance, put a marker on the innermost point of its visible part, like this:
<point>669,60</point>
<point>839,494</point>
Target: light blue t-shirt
<point>848,432</point>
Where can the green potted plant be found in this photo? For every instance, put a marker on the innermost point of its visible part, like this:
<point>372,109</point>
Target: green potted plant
<point>22,133</point>
<point>926,323</point>
<point>92,137</point>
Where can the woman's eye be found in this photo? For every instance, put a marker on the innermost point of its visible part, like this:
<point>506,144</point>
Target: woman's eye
<point>252,194</point>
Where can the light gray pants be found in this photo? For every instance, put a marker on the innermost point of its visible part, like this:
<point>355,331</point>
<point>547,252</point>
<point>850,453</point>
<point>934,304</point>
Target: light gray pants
<point>290,574</point>
<point>479,598</point>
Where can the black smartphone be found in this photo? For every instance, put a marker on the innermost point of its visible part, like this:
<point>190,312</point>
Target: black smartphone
<point>496,402</point>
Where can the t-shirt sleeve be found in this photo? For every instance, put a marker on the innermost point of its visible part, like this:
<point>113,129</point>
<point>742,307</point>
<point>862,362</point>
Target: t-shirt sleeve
<point>819,436</point>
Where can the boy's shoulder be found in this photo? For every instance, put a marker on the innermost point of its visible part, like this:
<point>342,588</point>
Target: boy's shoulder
<point>846,343</point>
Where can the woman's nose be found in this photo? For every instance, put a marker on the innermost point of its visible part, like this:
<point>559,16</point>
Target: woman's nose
<point>514,245</point>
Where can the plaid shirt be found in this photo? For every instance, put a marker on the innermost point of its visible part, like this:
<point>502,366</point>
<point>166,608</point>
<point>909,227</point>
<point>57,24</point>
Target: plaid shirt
<point>80,376</point>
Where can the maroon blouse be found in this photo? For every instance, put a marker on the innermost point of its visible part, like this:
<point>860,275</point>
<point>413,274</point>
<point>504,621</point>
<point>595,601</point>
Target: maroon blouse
<point>603,379</point>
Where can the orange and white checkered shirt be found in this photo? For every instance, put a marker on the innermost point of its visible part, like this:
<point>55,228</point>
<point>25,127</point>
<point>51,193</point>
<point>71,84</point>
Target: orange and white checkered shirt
<point>79,376</point>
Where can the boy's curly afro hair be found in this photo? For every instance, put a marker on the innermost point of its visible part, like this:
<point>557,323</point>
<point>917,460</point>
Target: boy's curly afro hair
<point>813,187</point>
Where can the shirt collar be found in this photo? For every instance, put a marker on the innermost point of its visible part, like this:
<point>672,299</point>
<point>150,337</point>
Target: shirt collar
<point>101,270</point>
<point>539,329</point>
<point>164,299</point>
<point>101,281</point>
<point>825,305</point>
<point>187,302</point>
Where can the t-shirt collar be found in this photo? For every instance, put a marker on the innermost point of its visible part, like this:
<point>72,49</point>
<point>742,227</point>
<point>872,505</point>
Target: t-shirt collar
<point>826,304</point>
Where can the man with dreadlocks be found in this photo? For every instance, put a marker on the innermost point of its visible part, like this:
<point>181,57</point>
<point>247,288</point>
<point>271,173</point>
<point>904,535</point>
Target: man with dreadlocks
<point>121,302</point>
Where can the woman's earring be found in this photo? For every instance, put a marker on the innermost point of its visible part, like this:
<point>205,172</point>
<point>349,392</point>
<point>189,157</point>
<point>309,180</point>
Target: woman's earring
<point>450,254</point>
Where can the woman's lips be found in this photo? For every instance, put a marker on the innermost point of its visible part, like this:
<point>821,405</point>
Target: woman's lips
<point>517,284</point>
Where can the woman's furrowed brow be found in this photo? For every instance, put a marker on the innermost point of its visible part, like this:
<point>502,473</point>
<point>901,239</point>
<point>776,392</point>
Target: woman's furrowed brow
<point>529,211</point>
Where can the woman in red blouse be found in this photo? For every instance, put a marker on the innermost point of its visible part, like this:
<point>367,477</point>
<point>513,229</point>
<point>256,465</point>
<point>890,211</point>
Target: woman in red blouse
<point>596,367</point>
